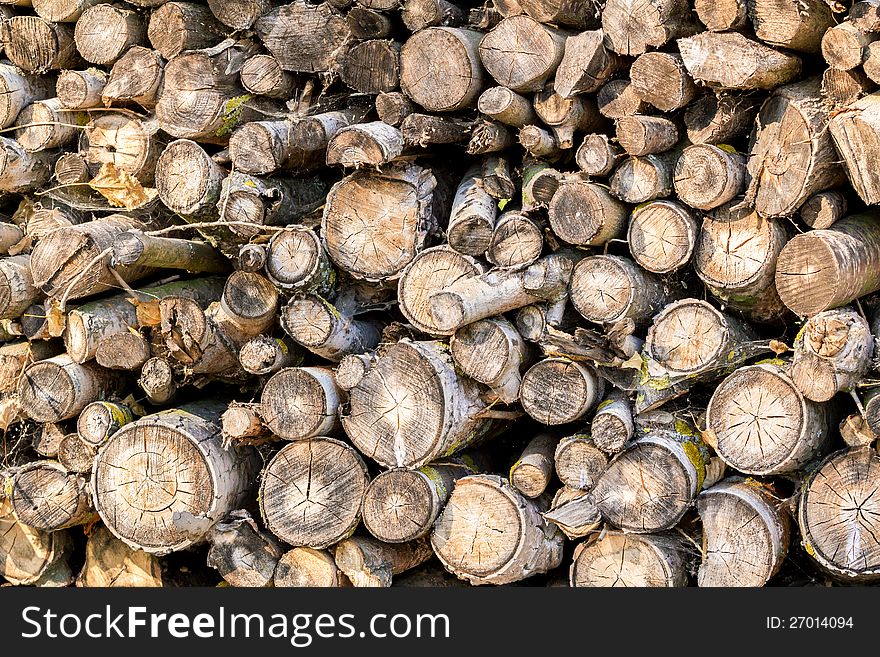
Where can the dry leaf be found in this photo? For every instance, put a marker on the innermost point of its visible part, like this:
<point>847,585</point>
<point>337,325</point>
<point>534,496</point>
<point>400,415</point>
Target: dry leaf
<point>10,412</point>
<point>147,311</point>
<point>778,347</point>
<point>120,188</point>
<point>56,319</point>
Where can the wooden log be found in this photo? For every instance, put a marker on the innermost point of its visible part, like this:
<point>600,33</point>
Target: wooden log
<point>832,353</point>
<point>419,14</point>
<point>612,426</point>
<point>157,381</point>
<point>239,14</point>
<point>374,223</point>
<point>489,137</point>
<point>80,89</point>
<point>20,90</point>
<point>365,144</point>
<point>634,560</point>
<point>58,388</point>
<point>424,129</point>
<point>123,351</point>
<point>16,356</point>
<point>470,299</point>
<point>730,60</point>
<point>37,46</point>
<point>242,553</point>
<point>490,534</point>
<point>841,88</point>
<point>393,107</point>
<point>431,270</point>
<point>17,289</point>
<point>720,118</point>
<point>532,471</point>
<point>586,64</point>
<point>608,289</point>
<point>136,77</point>
<point>314,133</point>
<point>473,215</point>
<point>61,11</point>
<point>492,352</point>
<point>558,391</point>
<point>188,179</point>
<point>247,307</point>
<point>791,25</point>
<point>243,425</point>
<point>643,179</point>
<point>574,513</point>
<point>301,402</point>
<point>45,124</point>
<point>585,214</point>
<point>630,28</point>
<point>75,455</point>
<point>865,15</point>
<point>201,482</point>
<point>367,562</point>
<point>303,566</point>
<point>127,143</point>
<point>539,143</point>
<point>10,235</point>
<point>643,135</point>
<point>104,32</point>
<point>100,420</point>
<point>824,269</point>
<point>597,156</point>
<point>46,498</point>
<point>178,26</point>
<point>21,171</point>
<point>763,424</point>
<point>70,169</point>
<point>661,80</point>
<point>745,534</point>
<point>722,15</point>
<point>372,67</point>
<point>442,84</point>
<point>648,487</point>
<point>111,563</point>
<point>617,98</point>
<point>414,384</point>
<point>365,23</point>
<point>836,508</point>
<point>821,210</point>
<point>871,63</point>
<point>855,130</point>
<point>565,116</point>
<point>329,329</point>
<point>297,262</point>
<point>560,12</point>
<point>302,481</point>
<point>262,75</point>
<point>506,106</point>
<point>302,37</point>
<point>516,240</point>
<point>786,168</point>
<point>136,248</point>
<point>251,257</point>
<point>31,556</point>
<point>662,236</point>
<point>267,355</point>
<point>844,46</point>
<point>707,176</point>
<point>578,463</point>
<point>522,54</point>
<point>737,259</point>
<point>401,504</point>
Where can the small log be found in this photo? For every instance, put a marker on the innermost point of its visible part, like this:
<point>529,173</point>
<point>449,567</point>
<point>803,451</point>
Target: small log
<point>832,353</point>
<point>21,171</point>
<point>365,23</point>
<point>314,133</point>
<point>267,355</point>
<point>10,235</point>
<point>401,505</point>
<point>763,424</point>
<point>431,270</point>
<point>367,562</point>
<point>157,381</point>
<point>247,307</point>
<point>612,426</point>
<point>565,116</point>
<point>643,135</point>
<point>871,63</point>
<point>302,37</point>
<point>365,144</point>
<point>71,169</point>
<point>662,236</point>
<point>821,210</point>
<point>239,14</point>
<point>241,552</point>
<point>20,90</point>
<point>648,487</point>
<point>17,289</point>
<point>836,508</point>
<point>578,462</point>
<point>296,262</point>
<point>45,497</point>
<point>45,124</point>
<point>419,14</point>
<point>586,64</point>
<point>574,513</point>
<point>824,269</point>
<point>539,143</point>
<point>791,25</point>
<point>810,164</point>
<point>660,79</point>
<point>708,176</point>
<point>76,455</point>
<point>844,46</point>
<point>251,257</point>
<point>412,407</point>
<point>136,248</point>
<point>730,60</point>
<point>498,179</point>
<point>262,75</point>
<point>243,425</point>
<point>722,15</point>
<point>100,420</point>
<point>597,156</point>
<point>561,12</point>
<point>136,77</point>
<point>490,534</point>
<point>61,11</point>
<point>856,432</point>
<point>372,67</point>
<point>37,46</point>
<point>188,179</point>
<point>442,84</point>
<point>111,563</point>
<point>865,15</point>
<point>31,556</point>
<point>393,107</point>
<point>261,147</point>
<point>737,259</point>
<point>201,484</point>
<point>104,32</point>
<point>302,481</point>
<point>630,28</point>
<point>521,53</point>
<point>127,143</point>
<point>492,352</point>
<point>306,567</point>
<point>608,289</point>
<point>489,137</point>
<point>840,88</point>
<point>301,402</point>
<point>58,388</point>
<point>329,329</point>
<point>720,118</point>
<point>618,98</point>
<point>473,215</point>
<point>516,241</point>
<point>122,351</point>
<point>506,106</point>
<point>532,471</point>
<point>585,214</point>
<point>633,560</point>
<point>178,26</point>
<point>745,534</point>
<point>540,182</point>
<point>853,129</point>
<point>80,89</point>
<point>558,391</point>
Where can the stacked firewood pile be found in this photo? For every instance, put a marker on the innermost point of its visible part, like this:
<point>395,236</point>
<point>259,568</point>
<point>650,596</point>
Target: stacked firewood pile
<point>368,291</point>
